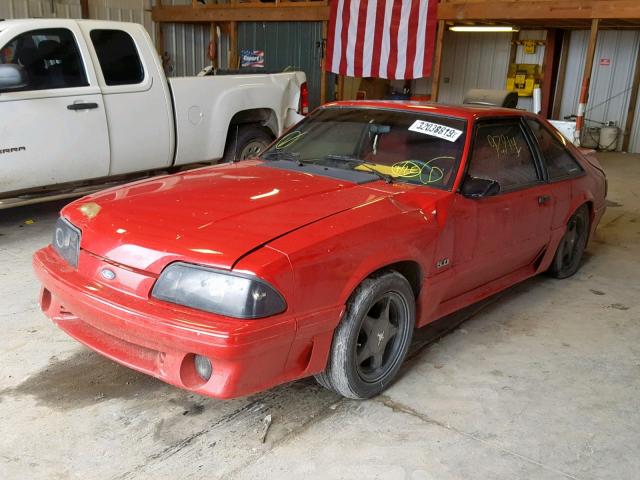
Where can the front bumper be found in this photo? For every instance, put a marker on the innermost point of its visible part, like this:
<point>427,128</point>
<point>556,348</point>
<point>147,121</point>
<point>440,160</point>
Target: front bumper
<point>157,339</point>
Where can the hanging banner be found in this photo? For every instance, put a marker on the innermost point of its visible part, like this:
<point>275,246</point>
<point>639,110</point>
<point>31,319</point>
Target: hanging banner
<point>392,39</point>
<point>251,58</point>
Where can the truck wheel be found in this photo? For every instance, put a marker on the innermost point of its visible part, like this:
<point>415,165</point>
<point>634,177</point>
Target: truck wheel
<point>569,254</point>
<point>372,339</point>
<point>246,141</point>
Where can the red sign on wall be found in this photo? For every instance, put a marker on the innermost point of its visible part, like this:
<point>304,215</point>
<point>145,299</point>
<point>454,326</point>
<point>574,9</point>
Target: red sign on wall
<point>605,62</point>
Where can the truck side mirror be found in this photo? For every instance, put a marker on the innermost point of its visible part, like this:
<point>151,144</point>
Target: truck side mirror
<point>12,77</point>
<point>474,187</point>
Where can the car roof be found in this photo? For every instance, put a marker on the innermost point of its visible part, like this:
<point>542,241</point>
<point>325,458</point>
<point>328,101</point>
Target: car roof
<point>468,112</point>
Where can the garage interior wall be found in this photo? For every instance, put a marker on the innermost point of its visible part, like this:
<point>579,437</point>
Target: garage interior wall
<point>611,81</point>
<point>293,45</point>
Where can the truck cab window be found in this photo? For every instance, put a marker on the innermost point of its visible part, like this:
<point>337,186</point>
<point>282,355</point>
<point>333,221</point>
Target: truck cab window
<point>118,57</point>
<point>50,58</point>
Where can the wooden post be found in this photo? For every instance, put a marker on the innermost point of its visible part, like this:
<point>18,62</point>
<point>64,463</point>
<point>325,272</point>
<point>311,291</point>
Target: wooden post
<point>234,64</point>
<point>549,71</point>
<point>323,63</point>
<point>435,76</point>
<point>586,79</point>
<point>562,74</point>
<point>633,102</point>
<point>159,35</point>
<point>84,8</point>
<point>212,49</point>
<point>340,87</point>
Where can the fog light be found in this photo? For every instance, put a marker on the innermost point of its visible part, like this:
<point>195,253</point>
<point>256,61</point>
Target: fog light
<point>203,367</point>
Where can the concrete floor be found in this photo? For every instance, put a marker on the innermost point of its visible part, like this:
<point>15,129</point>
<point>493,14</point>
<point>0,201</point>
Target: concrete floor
<point>543,382</point>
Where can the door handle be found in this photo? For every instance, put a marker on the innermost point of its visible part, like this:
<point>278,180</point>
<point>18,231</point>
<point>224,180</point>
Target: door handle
<point>542,199</point>
<point>82,106</point>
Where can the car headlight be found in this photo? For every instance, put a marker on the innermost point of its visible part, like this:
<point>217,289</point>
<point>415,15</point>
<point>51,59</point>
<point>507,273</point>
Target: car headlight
<point>216,291</point>
<point>66,241</point>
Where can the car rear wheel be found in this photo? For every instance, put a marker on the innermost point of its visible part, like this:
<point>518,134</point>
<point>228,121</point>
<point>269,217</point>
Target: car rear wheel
<point>372,339</point>
<point>246,141</point>
<point>567,259</point>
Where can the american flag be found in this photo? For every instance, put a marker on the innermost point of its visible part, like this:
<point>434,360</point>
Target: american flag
<point>381,38</point>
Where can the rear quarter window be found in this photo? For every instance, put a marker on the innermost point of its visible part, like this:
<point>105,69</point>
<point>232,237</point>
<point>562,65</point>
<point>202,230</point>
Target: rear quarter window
<point>558,160</point>
<point>118,57</point>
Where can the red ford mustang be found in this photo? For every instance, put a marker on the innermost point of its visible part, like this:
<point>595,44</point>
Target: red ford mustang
<point>365,221</point>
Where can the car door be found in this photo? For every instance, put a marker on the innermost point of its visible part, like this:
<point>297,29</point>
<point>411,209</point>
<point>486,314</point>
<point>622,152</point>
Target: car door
<point>54,129</point>
<point>496,235</point>
<point>560,167</point>
<point>136,97</point>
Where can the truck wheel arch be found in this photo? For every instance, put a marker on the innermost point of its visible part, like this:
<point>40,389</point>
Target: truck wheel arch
<point>264,116</point>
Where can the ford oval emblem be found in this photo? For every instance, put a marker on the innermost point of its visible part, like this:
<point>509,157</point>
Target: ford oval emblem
<point>107,274</point>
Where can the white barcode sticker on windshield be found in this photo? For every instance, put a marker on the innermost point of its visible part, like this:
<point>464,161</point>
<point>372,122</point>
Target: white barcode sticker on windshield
<point>436,130</point>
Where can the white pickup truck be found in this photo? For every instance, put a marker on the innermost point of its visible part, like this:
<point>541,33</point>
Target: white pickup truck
<point>86,102</point>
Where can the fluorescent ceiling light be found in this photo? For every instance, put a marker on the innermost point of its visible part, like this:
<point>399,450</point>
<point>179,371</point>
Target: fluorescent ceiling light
<point>487,28</point>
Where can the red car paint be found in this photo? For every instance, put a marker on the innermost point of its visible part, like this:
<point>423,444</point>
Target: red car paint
<point>311,237</point>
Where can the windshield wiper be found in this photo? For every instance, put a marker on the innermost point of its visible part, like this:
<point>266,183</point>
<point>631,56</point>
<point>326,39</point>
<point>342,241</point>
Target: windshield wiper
<point>362,163</point>
<point>281,155</point>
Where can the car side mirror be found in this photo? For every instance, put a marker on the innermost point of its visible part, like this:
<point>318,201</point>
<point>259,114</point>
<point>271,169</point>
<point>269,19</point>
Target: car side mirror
<point>474,187</point>
<point>12,77</point>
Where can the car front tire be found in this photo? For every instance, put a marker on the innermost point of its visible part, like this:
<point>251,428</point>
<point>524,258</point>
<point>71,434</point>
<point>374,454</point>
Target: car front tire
<point>373,337</point>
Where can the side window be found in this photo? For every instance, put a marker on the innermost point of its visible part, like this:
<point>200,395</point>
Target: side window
<point>560,163</point>
<point>118,57</point>
<point>50,58</point>
<point>501,153</point>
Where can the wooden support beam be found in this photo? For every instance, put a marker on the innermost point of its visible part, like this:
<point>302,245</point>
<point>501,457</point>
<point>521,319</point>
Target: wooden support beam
<point>550,70</point>
<point>437,64</point>
<point>633,103</point>
<point>323,63</point>
<point>586,78</point>
<point>159,35</point>
<point>241,12</point>
<point>509,10</point>
<point>212,49</point>
<point>562,74</point>
<point>84,8</point>
<point>234,56</point>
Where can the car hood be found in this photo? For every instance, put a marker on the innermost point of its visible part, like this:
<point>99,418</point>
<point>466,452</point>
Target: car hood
<point>213,215</point>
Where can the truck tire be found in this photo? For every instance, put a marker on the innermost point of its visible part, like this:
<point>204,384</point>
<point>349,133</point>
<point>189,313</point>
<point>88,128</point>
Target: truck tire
<point>246,141</point>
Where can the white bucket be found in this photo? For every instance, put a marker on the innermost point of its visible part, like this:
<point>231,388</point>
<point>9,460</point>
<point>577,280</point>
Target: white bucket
<point>608,139</point>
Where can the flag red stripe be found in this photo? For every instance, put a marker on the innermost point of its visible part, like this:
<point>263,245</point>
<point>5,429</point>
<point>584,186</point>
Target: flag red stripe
<point>393,40</point>
<point>430,38</point>
<point>331,35</point>
<point>377,39</point>
<point>412,38</point>
<point>362,27</point>
<point>346,9</point>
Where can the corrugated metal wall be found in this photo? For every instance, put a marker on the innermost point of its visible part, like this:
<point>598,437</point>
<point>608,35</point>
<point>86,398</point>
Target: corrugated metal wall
<point>610,84</point>
<point>287,44</point>
<point>40,8</point>
<point>481,60</point>
<point>473,60</point>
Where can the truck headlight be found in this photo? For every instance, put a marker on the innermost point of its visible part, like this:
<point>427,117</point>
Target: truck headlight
<point>66,241</point>
<point>217,291</point>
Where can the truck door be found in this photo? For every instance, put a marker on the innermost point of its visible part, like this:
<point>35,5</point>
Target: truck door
<point>54,129</point>
<point>136,96</point>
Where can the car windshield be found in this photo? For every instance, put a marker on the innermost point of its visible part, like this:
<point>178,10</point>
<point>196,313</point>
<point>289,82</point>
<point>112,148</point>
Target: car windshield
<point>398,146</point>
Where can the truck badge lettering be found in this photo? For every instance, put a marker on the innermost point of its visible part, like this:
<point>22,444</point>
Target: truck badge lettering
<point>12,150</point>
